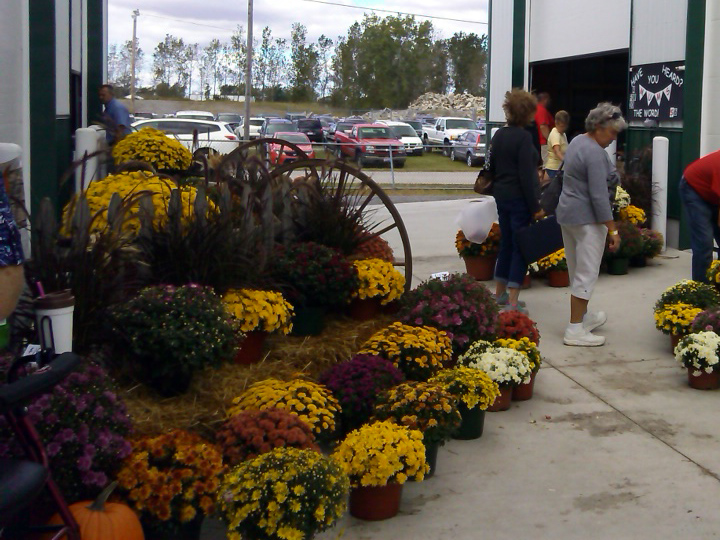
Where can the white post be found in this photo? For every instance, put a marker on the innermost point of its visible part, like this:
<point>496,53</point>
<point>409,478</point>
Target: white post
<point>611,150</point>
<point>661,150</point>
<point>493,131</point>
<point>86,140</point>
<point>248,73</point>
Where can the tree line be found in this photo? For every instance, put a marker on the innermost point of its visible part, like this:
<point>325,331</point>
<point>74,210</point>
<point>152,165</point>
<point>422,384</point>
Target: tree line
<point>380,62</point>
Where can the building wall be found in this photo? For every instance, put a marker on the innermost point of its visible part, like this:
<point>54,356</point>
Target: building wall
<point>501,49</point>
<point>658,35</point>
<point>12,84</point>
<point>710,126</point>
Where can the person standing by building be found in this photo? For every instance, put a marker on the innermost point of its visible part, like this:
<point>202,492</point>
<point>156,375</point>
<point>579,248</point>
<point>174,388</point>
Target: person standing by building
<point>700,194</point>
<point>556,146</point>
<point>544,122</point>
<point>12,276</point>
<point>115,117</point>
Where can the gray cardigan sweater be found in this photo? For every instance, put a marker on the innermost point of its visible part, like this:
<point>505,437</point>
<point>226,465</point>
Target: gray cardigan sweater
<point>585,194</point>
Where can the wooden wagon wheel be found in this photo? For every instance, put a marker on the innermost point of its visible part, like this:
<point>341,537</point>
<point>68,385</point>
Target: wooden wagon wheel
<point>343,180</point>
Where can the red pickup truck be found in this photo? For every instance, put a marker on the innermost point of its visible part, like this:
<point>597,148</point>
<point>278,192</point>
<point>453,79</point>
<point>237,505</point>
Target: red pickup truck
<point>371,144</point>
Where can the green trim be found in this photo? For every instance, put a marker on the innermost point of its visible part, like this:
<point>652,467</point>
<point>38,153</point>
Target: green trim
<point>518,49</point>
<point>43,161</point>
<point>96,54</point>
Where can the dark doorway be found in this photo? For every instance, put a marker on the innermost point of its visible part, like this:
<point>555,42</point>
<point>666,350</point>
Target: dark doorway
<point>579,84</point>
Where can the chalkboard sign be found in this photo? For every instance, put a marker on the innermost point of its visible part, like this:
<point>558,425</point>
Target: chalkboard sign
<point>656,91</point>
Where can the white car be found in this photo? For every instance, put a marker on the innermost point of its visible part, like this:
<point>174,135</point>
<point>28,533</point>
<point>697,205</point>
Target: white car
<point>195,115</point>
<point>407,135</point>
<point>211,136</point>
<point>255,125</point>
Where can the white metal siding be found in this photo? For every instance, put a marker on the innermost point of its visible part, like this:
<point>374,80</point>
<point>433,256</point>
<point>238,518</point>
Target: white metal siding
<point>62,57</point>
<point>501,61</point>
<point>76,36</point>
<point>658,32</point>
<point>710,128</point>
<point>11,75</point>
<point>565,28</point>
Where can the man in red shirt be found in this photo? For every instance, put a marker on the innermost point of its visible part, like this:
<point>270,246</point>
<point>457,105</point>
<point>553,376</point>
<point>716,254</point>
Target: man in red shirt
<point>700,194</point>
<point>545,122</point>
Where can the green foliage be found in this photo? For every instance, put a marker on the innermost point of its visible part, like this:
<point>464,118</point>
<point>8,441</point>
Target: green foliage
<point>304,65</point>
<point>467,54</point>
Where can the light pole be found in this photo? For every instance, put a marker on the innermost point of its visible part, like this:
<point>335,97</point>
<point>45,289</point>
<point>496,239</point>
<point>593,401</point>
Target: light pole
<point>248,73</point>
<point>135,15</point>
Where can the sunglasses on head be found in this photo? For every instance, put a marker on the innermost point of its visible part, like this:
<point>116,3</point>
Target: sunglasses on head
<point>614,116</point>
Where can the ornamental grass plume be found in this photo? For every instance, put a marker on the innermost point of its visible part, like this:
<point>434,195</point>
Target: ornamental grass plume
<point>84,426</point>
<point>418,351</point>
<point>687,291</point>
<point>313,403</point>
<point>357,383</point>
<point>287,493</point>
<point>154,147</point>
<point>676,319</point>
<point>699,352</point>
<point>250,433</point>
<point>515,325</point>
<point>170,480</point>
<point>378,279</point>
<point>421,405</point>
<point>525,346</point>
<point>381,453</point>
<point>460,306</point>
<point>489,247</point>
<point>472,387</point>
<point>507,367</point>
<point>256,310</point>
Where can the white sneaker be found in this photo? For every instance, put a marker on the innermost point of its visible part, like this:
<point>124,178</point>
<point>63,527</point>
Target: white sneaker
<point>591,321</point>
<point>582,338</point>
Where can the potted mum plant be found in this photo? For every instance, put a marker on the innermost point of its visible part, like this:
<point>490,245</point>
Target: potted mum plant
<point>313,403</point>
<point>460,306</point>
<point>315,279</point>
<point>258,313</point>
<point>524,391</point>
<point>172,332</point>
<point>699,354</point>
<point>379,458</point>
<point>424,406</point>
<point>515,325</point>
<point>653,243</point>
<point>357,383</point>
<point>284,493</point>
<point>507,367</point>
<point>706,321</point>
<point>713,273</point>
<point>154,147</point>
<point>633,214</point>
<point>418,351</point>
<point>479,258</point>
<point>475,392</point>
<point>675,320</point>
<point>631,245</point>
<point>251,433</point>
<point>555,266</point>
<point>171,480</point>
<point>690,292</point>
<point>379,284</point>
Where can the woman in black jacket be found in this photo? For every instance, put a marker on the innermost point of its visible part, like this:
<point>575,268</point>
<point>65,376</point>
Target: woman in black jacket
<point>513,165</point>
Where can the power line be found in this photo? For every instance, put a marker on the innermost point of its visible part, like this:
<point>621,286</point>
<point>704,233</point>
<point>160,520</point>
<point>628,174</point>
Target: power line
<point>393,11</point>
<point>186,21</point>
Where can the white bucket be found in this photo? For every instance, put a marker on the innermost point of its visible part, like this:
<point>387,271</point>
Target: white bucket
<point>54,316</point>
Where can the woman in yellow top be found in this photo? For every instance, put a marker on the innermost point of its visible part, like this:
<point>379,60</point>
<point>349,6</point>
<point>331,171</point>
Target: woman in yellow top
<point>556,144</point>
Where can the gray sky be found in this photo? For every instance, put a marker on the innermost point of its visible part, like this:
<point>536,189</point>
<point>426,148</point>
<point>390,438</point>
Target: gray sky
<point>220,18</point>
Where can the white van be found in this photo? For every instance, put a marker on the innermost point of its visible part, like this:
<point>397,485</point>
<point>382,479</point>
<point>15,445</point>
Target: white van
<point>407,135</point>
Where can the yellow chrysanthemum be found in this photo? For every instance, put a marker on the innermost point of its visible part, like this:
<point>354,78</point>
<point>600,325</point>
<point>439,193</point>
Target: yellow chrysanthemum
<point>154,147</point>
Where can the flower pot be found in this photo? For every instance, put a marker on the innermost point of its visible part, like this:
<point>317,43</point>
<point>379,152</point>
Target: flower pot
<point>391,308</point>
<point>523,392</point>
<point>618,267</point>
<point>308,321</point>
<point>364,309</point>
<point>375,503</point>
<point>481,268</point>
<point>703,381</point>
<point>638,261</point>
<point>674,340</point>
<point>558,278</point>
<point>527,282</point>
<point>431,453</point>
<point>251,349</point>
<point>473,421</point>
<point>503,401</point>
<point>54,319</point>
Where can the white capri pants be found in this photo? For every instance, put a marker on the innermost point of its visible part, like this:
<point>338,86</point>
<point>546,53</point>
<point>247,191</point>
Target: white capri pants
<point>584,248</point>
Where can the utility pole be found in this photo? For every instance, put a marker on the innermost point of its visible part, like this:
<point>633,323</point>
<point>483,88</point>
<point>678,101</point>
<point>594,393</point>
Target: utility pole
<point>135,15</point>
<point>248,73</point>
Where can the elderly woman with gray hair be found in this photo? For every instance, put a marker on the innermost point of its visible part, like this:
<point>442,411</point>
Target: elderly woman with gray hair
<point>585,214</point>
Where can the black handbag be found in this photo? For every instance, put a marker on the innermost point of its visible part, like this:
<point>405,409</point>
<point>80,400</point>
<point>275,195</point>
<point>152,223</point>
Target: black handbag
<point>484,181</point>
<point>539,239</point>
<point>550,196</point>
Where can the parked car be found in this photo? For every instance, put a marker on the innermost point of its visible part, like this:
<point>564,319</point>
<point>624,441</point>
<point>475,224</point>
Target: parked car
<point>371,144</point>
<point>195,115</point>
<point>406,134</point>
<point>469,147</point>
<point>342,126</point>
<point>143,115</point>
<point>417,126</point>
<point>445,130</point>
<point>233,119</point>
<point>294,116</point>
<point>255,124</point>
<point>312,127</point>
<point>211,136</point>
<point>275,125</point>
<point>279,154</point>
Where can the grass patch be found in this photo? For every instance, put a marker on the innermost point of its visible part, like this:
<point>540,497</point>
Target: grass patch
<point>428,162</point>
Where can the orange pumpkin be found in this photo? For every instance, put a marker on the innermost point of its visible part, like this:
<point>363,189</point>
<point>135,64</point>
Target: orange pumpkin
<point>101,520</point>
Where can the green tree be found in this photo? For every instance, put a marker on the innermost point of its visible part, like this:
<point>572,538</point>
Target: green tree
<point>123,68</point>
<point>170,63</point>
<point>304,65</point>
<point>324,46</point>
<point>210,66</point>
<point>468,61</point>
<point>438,69</point>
